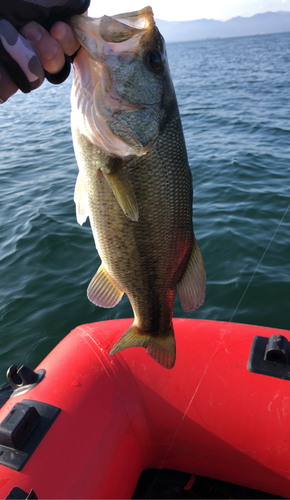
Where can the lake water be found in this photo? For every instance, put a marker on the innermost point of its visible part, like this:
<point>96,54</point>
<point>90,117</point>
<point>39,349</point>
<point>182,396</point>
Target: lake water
<point>234,101</point>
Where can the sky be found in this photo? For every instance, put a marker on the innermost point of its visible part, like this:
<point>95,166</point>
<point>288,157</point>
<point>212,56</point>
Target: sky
<point>184,10</point>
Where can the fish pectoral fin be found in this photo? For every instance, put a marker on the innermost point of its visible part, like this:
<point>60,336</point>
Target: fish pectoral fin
<point>191,287</point>
<point>81,200</point>
<point>160,347</point>
<point>102,291</point>
<point>123,192</point>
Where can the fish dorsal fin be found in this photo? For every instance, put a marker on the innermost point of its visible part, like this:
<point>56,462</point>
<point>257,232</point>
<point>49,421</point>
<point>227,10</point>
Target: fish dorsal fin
<point>191,288</point>
<point>122,190</point>
<point>160,347</point>
<point>81,200</point>
<point>102,291</point>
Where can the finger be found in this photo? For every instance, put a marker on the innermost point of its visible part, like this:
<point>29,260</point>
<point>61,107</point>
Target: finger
<point>63,34</point>
<point>7,86</point>
<point>46,48</point>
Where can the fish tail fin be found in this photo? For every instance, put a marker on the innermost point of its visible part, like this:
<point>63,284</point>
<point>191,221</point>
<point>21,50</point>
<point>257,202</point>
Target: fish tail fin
<point>160,347</point>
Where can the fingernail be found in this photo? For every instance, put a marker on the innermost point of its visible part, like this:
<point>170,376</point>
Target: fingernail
<point>32,32</point>
<point>61,32</point>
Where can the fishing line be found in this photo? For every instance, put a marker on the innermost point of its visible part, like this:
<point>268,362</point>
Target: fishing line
<point>259,263</point>
<point>183,417</point>
<point>186,411</point>
<point>217,347</point>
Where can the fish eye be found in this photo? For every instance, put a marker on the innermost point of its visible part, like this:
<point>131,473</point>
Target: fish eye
<point>153,60</point>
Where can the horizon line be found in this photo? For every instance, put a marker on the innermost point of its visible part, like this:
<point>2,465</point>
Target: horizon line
<point>226,20</point>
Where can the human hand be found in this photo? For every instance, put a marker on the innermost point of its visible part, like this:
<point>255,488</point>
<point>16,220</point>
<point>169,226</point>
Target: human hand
<point>51,48</point>
<point>26,58</point>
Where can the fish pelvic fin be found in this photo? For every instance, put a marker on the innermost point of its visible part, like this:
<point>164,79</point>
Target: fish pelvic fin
<point>191,287</point>
<point>102,291</point>
<point>123,191</point>
<point>81,200</point>
<point>160,347</point>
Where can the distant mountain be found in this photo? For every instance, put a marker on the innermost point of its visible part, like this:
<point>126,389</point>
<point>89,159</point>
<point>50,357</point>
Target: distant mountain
<point>182,31</point>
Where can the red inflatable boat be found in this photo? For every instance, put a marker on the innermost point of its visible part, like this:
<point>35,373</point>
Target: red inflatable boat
<point>85,424</point>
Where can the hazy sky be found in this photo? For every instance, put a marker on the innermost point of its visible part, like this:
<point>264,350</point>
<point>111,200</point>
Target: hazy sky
<point>181,10</point>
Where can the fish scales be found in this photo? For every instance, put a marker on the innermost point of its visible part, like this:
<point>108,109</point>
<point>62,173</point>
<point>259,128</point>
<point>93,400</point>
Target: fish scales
<point>148,250</point>
<point>156,254</point>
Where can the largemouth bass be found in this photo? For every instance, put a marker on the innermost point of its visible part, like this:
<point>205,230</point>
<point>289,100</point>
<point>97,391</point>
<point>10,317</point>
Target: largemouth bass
<point>134,180</point>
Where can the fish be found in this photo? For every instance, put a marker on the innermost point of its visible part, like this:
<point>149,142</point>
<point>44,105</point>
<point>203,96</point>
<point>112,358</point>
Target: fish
<point>134,181</point>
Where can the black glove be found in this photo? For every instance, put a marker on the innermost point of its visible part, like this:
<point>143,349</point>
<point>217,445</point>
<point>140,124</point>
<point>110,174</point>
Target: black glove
<point>16,55</point>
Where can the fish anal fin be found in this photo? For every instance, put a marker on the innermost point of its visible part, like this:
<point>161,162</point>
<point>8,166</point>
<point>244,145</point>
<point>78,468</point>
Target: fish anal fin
<point>81,200</point>
<point>122,190</point>
<point>102,291</point>
<point>160,347</point>
<point>191,287</point>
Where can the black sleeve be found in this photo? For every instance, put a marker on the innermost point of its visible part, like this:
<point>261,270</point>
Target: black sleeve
<point>20,12</point>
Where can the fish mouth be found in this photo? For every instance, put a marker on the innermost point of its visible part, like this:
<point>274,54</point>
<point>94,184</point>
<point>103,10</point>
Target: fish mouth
<point>94,33</point>
<point>139,19</point>
<point>106,42</point>
<point>117,35</point>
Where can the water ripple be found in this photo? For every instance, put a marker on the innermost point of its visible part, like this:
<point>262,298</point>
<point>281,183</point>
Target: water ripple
<point>234,101</point>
